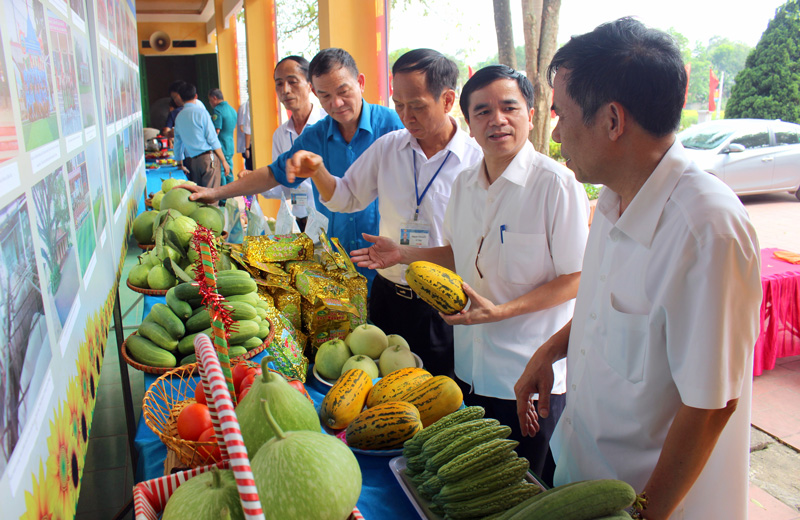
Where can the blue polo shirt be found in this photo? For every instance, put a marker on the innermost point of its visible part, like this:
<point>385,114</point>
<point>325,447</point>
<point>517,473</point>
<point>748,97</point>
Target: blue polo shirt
<point>194,132</point>
<point>325,140</point>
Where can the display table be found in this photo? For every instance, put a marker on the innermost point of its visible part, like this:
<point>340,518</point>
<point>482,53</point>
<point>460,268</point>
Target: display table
<point>155,177</point>
<point>381,495</point>
<point>780,312</point>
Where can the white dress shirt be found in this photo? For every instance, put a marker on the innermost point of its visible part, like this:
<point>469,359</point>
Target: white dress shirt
<point>242,122</point>
<point>386,172</point>
<point>667,313</point>
<point>543,213</point>
<point>282,141</point>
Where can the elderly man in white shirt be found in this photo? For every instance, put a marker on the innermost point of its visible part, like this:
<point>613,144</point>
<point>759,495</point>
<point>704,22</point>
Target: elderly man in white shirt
<point>243,134</point>
<point>514,230</point>
<point>293,86</point>
<point>660,349</point>
<point>410,172</point>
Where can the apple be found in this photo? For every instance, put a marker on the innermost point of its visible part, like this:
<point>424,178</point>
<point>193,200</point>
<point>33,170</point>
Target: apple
<point>364,363</point>
<point>368,340</point>
<point>331,357</point>
<point>395,358</point>
<point>396,339</point>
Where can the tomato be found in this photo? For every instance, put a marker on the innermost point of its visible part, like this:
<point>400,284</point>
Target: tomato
<point>200,394</point>
<point>300,387</point>
<point>207,452</point>
<point>193,421</point>
<point>242,393</point>
<point>239,372</point>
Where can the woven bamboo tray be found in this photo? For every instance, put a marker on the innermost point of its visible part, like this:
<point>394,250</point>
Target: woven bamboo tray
<point>161,370</point>
<point>146,292</point>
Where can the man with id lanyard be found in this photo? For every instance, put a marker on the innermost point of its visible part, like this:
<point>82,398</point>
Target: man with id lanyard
<point>293,86</point>
<point>515,231</point>
<point>410,172</point>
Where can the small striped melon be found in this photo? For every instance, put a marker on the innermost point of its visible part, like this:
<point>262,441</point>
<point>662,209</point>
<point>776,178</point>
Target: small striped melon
<point>437,286</point>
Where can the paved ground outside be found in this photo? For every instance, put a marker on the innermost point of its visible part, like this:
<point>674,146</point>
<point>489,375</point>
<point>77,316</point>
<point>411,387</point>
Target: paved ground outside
<point>775,433</point>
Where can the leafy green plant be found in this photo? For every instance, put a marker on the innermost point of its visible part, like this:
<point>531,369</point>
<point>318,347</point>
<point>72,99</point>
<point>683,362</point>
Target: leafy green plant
<point>592,191</point>
<point>555,151</point>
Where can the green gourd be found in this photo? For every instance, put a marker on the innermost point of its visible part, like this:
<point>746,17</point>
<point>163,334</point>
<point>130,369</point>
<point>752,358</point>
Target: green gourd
<point>204,496</point>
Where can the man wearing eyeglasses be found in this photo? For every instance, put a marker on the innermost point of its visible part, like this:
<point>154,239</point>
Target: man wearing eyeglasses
<point>515,229</point>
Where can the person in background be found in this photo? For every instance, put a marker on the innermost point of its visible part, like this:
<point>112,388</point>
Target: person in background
<point>177,102</point>
<point>660,348</point>
<point>350,127</point>
<point>514,230</point>
<point>293,85</point>
<point>410,173</point>
<point>243,132</point>
<point>196,140</point>
<point>224,118</point>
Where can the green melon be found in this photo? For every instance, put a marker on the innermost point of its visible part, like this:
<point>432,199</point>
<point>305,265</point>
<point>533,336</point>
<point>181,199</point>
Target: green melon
<point>168,184</point>
<point>178,199</point>
<point>143,227</point>
<point>210,218</point>
<point>183,227</point>
<point>157,200</point>
<point>160,278</point>
<point>204,497</point>
<point>138,275</point>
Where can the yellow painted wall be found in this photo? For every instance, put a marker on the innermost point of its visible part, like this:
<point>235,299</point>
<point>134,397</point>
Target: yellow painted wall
<point>176,31</point>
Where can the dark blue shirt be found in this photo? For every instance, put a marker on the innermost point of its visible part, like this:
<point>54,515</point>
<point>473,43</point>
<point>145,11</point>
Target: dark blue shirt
<point>172,115</point>
<point>325,140</point>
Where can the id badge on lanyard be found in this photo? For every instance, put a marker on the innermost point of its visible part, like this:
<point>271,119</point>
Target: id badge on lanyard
<point>415,233</point>
<point>299,197</point>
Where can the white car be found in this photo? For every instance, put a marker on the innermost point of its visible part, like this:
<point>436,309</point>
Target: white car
<point>749,155</point>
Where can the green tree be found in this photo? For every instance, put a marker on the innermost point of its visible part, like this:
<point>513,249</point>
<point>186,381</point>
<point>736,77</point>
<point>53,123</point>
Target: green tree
<point>769,85</point>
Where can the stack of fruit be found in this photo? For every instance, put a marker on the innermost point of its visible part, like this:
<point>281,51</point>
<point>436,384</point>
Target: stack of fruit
<point>397,406</point>
<point>170,231</point>
<point>367,348</point>
<point>167,333</point>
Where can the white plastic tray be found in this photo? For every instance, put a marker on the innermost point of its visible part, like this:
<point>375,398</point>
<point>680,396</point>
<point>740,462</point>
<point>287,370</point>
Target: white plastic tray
<point>398,467</point>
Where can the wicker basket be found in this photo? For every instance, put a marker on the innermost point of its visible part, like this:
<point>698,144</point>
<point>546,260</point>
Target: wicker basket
<point>150,497</point>
<point>146,292</point>
<point>161,370</point>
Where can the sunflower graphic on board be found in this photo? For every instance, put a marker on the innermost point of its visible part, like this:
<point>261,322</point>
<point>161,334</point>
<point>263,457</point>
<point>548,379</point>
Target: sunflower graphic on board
<point>62,466</point>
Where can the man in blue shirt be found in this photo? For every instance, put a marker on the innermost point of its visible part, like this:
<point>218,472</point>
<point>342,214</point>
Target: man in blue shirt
<point>169,126</point>
<point>224,117</point>
<point>196,139</point>
<point>351,126</point>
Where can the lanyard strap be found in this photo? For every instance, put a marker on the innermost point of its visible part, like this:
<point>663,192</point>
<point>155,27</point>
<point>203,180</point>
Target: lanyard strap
<point>416,188</point>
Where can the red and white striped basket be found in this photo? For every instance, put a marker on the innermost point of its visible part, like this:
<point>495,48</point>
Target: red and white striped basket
<point>150,497</point>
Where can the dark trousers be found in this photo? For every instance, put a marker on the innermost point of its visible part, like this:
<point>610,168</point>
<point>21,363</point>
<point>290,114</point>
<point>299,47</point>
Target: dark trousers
<point>248,161</point>
<point>417,322</point>
<point>537,448</point>
<point>205,170</point>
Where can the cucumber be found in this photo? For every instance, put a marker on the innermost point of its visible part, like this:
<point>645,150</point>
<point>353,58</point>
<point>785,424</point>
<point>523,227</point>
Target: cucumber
<point>236,351</point>
<point>191,358</point>
<point>163,315</point>
<point>148,353</point>
<point>588,499</point>
<point>226,286</point>
<point>263,305</point>
<point>186,345</point>
<point>482,506</point>
<point>509,513</point>
<point>252,343</point>
<point>187,290</point>
<point>158,335</point>
<point>198,322</point>
<point>465,414</point>
<point>198,310</point>
<point>261,312</point>
<point>233,274</point>
<point>181,309</point>
<point>251,298</point>
<point>263,330</point>
<point>241,310</point>
<point>619,515</point>
<point>244,330</point>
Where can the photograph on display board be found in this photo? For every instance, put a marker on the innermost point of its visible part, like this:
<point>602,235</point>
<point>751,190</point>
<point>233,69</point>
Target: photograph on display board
<point>31,57</point>
<point>127,157</point>
<point>111,9</point>
<point>113,174</point>
<point>26,355</point>
<point>123,175</point>
<point>119,74</point>
<point>78,182</point>
<point>77,8</point>
<point>66,83</point>
<point>8,128</point>
<point>83,61</point>
<point>96,171</point>
<point>102,17</point>
<point>59,255</point>
<point>108,89</point>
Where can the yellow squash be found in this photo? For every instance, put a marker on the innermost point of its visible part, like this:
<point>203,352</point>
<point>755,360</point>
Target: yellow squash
<point>345,400</point>
<point>395,384</point>
<point>384,426</point>
<point>437,286</point>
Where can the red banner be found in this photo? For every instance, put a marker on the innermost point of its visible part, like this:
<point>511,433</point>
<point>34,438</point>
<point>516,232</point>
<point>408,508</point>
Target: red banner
<point>713,85</point>
<point>688,68</point>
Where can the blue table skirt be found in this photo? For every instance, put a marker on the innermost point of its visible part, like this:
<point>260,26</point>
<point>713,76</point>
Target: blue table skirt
<point>381,495</point>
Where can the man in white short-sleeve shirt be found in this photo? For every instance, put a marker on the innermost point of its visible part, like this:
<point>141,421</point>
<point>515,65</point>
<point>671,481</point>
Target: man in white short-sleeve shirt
<point>410,172</point>
<point>293,86</point>
<point>515,230</point>
<point>660,348</point>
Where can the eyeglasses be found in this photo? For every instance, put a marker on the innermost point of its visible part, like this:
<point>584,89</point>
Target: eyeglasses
<point>477,256</point>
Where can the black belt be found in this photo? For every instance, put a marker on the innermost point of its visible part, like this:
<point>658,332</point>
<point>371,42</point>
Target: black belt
<point>207,152</point>
<point>404,291</point>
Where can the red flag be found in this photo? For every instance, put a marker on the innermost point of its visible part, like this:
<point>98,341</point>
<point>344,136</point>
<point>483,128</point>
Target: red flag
<point>688,68</point>
<point>713,85</point>
<point>469,72</point>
